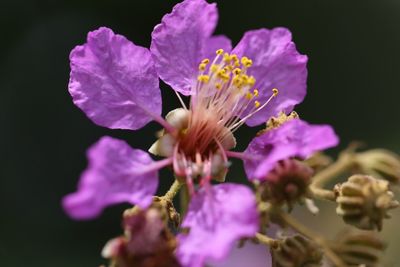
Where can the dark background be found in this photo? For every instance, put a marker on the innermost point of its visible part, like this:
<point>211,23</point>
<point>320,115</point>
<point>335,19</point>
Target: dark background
<point>354,63</point>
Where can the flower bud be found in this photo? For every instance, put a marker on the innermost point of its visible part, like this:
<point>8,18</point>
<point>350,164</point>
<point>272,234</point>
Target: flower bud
<point>287,183</point>
<point>296,251</point>
<point>364,201</point>
<point>380,163</point>
<point>359,248</point>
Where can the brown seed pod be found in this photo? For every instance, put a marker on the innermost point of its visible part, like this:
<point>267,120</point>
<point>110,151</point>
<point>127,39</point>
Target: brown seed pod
<point>364,201</point>
<point>287,183</point>
<point>359,248</point>
<point>296,251</point>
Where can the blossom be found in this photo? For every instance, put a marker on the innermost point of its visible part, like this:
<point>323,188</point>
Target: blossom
<point>115,83</point>
<point>294,138</point>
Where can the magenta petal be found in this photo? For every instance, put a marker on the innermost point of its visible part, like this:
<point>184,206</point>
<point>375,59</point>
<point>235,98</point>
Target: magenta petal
<point>276,64</point>
<point>114,81</point>
<point>218,216</point>
<point>295,138</point>
<point>217,42</point>
<point>116,173</point>
<point>178,42</point>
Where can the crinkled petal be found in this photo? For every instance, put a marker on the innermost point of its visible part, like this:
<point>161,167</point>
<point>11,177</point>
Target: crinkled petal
<point>295,138</point>
<point>252,255</point>
<point>276,64</point>
<point>114,81</point>
<point>218,216</point>
<point>116,173</point>
<point>179,41</point>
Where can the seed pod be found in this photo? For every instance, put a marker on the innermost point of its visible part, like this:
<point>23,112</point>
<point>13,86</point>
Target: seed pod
<point>359,248</point>
<point>287,183</point>
<point>296,251</point>
<point>364,201</point>
<point>380,163</point>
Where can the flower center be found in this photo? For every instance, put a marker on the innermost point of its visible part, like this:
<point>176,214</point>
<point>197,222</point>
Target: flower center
<point>226,91</point>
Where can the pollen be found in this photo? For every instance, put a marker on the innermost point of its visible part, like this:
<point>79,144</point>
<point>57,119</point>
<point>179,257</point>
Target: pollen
<point>275,91</point>
<point>227,58</point>
<point>257,104</point>
<point>203,78</point>
<point>218,86</point>
<point>214,68</point>
<point>219,51</point>
<point>249,95</point>
<point>246,62</point>
<point>237,71</point>
<point>202,66</point>
<point>255,92</point>
<point>205,61</point>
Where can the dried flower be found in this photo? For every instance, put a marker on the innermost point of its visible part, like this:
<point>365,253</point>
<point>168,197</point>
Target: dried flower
<point>380,163</point>
<point>359,248</point>
<point>296,251</point>
<point>147,242</point>
<point>364,201</point>
<point>287,183</point>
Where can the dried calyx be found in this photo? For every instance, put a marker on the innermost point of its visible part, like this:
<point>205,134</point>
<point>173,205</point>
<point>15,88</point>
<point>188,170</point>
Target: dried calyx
<point>364,201</point>
<point>380,163</point>
<point>147,241</point>
<point>287,183</point>
<point>359,248</point>
<point>296,251</point>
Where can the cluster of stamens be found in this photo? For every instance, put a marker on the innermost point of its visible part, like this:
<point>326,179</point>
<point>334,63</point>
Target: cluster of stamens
<point>223,98</point>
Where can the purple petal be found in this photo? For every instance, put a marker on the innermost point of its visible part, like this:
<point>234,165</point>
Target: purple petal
<point>253,255</point>
<point>116,173</point>
<point>295,138</point>
<point>114,81</point>
<point>178,42</point>
<point>218,216</point>
<point>217,42</point>
<point>276,64</point>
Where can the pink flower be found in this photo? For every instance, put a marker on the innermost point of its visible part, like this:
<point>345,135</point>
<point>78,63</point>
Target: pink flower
<point>115,83</point>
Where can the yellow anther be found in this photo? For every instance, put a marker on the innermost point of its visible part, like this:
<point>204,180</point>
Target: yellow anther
<point>257,104</point>
<point>246,62</point>
<point>251,81</point>
<point>203,78</point>
<point>275,91</point>
<point>205,61</point>
<point>202,66</point>
<point>227,69</point>
<point>218,86</point>
<point>237,81</point>
<point>237,71</point>
<point>214,68</point>
<point>249,95</point>
<point>249,63</point>
<point>255,92</point>
<point>219,51</point>
<point>234,57</point>
<point>245,78</point>
<point>227,58</point>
